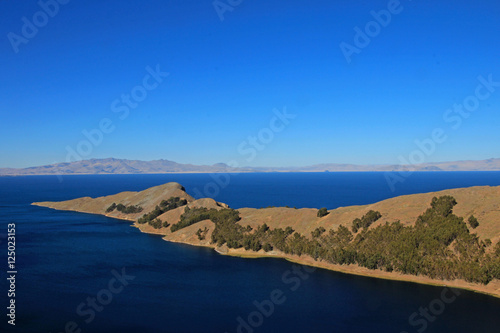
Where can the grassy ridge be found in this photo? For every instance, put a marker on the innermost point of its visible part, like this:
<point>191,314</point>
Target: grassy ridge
<point>439,245</point>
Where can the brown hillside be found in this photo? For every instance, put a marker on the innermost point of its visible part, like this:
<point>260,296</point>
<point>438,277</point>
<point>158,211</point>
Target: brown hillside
<point>481,201</point>
<point>147,199</point>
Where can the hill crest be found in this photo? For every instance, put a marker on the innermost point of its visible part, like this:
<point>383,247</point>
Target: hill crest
<point>481,201</point>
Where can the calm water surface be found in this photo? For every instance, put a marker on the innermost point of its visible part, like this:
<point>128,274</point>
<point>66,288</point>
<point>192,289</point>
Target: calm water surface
<point>66,259</point>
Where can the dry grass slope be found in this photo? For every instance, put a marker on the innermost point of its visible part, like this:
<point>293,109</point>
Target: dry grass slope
<point>481,201</point>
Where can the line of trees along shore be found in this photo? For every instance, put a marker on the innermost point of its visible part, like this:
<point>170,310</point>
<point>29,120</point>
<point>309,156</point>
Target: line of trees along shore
<point>439,245</point>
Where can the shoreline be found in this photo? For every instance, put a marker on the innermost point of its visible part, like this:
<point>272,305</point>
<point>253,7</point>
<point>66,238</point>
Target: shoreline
<point>491,289</point>
<point>376,274</point>
<point>345,269</point>
<point>237,172</point>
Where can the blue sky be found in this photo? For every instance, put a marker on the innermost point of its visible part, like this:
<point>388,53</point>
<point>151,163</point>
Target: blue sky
<point>227,76</point>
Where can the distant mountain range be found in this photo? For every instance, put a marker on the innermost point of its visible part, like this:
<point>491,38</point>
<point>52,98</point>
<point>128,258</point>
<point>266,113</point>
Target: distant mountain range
<point>123,166</point>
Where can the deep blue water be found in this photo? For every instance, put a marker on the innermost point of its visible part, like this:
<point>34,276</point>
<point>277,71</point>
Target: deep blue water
<point>66,258</point>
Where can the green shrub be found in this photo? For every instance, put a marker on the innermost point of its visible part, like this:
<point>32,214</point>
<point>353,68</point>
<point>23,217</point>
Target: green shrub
<point>124,209</point>
<point>365,222</point>
<point>132,209</point>
<point>227,230</point>
<point>322,212</point>
<point>172,203</point>
<point>317,232</point>
<point>191,216</point>
<point>267,247</point>
<point>120,207</point>
<point>165,206</point>
<point>473,222</point>
<point>156,223</point>
<point>202,233</point>
<point>443,206</point>
<point>111,208</point>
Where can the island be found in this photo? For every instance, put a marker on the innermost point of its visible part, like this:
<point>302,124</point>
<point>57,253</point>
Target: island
<point>450,237</point>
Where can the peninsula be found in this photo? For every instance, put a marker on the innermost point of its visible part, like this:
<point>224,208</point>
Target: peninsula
<point>450,237</point>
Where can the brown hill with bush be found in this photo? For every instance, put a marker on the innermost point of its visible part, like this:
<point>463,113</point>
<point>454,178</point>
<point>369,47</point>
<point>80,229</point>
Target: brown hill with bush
<point>168,207</point>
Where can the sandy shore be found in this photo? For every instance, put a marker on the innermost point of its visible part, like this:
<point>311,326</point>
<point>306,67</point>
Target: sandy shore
<point>492,288</point>
<point>482,199</point>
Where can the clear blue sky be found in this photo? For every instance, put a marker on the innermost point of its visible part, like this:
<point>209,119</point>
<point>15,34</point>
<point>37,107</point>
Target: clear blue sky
<point>226,78</point>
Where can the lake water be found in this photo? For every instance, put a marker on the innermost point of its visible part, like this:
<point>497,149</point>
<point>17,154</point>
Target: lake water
<point>68,264</point>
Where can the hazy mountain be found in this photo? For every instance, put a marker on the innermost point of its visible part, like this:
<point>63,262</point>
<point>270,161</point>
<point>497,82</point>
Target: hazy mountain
<point>492,164</point>
<point>114,166</point>
<point>122,166</point>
